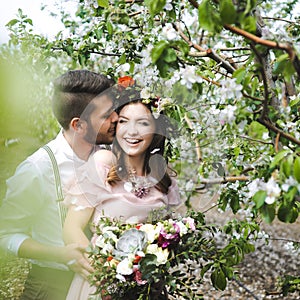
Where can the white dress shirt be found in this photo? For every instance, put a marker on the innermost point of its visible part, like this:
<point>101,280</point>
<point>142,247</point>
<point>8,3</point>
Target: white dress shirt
<point>29,208</point>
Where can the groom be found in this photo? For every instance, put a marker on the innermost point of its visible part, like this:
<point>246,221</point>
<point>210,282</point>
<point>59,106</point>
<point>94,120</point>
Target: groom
<point>30,226</point>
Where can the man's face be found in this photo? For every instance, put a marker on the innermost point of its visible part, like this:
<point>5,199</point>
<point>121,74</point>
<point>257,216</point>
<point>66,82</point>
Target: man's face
<point>101,126</point>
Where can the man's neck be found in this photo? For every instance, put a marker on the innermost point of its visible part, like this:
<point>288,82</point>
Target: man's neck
<point>80,147</point>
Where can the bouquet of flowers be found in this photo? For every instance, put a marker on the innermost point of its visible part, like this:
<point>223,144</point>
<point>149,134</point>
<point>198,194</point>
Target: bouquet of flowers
<point>133,261</point>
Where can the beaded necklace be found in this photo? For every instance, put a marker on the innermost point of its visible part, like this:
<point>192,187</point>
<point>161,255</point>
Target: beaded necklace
<point>138,185</point>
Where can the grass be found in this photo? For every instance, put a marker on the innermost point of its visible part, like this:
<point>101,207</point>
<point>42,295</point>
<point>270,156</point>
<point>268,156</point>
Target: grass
<point>13,273</point>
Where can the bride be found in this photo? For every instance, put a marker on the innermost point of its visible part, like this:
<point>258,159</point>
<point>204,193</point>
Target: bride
<point>128,182</point>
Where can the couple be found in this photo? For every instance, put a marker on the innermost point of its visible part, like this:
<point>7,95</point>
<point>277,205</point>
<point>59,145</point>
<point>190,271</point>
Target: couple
<point>29,219</point>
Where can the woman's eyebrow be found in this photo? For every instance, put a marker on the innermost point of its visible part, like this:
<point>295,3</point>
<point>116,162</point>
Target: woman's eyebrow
<point>138,119</point>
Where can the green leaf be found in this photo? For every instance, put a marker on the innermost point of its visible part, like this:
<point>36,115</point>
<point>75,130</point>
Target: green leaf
<point>259,198</point>
<point>29,21</point>
<point>286,166</point>
<point>155,6</point>
<point>250,5</point>
<point>209,18</point>
<point>286,213</point>
<point>268,213</point>
<point>239,74</point>
<point>297,168</point>
<point>109,27</point>
<point>256,130</point>
<point>227,12</point>
<point>294,102</point>
<point>158,50</point>
<point>218,279</point>
<point>103,3</point>
<point>249,24</point>
<point>278,157</point>
<point>280,64</point>
<point>169,55</point>
<point>122,59</point>
<point>235,203</point>
<point>12,22</point>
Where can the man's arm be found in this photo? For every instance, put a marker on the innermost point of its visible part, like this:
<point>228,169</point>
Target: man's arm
<point>25,199</point>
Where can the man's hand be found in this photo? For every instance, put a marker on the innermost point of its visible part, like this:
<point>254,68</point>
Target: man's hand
<point>75,257</point>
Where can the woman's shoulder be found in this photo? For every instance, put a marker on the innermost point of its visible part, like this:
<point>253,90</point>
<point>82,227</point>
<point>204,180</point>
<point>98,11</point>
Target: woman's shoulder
<point>105,157</point>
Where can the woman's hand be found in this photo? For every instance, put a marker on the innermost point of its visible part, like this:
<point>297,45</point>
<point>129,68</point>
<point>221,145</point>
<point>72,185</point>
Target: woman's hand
<point>75,257</point>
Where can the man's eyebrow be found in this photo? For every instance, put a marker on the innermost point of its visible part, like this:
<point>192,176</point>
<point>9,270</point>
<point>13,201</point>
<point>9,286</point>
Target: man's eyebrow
<point>109,110</point>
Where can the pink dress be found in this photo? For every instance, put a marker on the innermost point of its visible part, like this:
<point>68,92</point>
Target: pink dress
<point>91,190</point>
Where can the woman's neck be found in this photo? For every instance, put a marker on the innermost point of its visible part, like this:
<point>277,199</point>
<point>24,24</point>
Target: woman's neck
<point>136,165</point>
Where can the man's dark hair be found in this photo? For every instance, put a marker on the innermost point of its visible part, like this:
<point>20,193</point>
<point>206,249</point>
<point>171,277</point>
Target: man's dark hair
<point>73,91</point>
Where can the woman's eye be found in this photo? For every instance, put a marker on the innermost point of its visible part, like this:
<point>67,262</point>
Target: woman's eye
<point>144,123</point>
<point>121,121</point>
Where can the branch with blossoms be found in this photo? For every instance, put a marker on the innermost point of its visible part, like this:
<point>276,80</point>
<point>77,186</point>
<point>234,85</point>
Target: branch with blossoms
<point>270,44</point>
<point>205,52</point>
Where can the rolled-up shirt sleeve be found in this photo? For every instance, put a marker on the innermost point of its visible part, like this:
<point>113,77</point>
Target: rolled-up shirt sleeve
<point>19,207</point>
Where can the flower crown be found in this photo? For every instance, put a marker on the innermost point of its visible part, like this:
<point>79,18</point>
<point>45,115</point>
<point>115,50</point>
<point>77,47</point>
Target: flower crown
<point>158,104</point>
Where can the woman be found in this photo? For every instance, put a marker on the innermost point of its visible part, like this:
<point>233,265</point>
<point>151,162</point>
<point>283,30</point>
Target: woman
<point>127,183</point>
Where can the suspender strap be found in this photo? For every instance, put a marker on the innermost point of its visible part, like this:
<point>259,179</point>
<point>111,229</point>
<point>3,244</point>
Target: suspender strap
<point>61,208</point>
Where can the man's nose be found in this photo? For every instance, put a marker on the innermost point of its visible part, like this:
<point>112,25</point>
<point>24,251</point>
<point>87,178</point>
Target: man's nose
<point>114,117</point>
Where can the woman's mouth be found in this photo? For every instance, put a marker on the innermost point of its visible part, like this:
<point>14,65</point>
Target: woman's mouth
<point>133,141</point>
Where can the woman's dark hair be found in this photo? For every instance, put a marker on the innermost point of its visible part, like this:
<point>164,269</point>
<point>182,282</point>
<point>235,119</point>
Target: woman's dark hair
<point>73,91</point>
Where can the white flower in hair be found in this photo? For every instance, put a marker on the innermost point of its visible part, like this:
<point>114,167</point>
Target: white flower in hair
<point>145,93</point>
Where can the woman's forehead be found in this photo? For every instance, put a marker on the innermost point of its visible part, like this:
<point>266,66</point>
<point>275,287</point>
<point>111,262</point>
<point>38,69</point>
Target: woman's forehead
<point>135,110</point>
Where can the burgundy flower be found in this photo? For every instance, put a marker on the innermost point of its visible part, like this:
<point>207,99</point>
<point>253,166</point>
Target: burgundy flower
<point>169,240</point>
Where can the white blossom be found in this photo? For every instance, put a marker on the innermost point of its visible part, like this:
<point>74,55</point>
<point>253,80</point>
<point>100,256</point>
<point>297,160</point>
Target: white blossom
<point>227,114</point>
<point>188,76</point>
<point>273,190</point>
<point>254,186</point>
<point>291,181</point>
<point>168,5</point>
<point>230,89</point>
<point>169,32</point>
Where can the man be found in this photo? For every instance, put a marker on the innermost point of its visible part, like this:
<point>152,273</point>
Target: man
<point>30,225</point>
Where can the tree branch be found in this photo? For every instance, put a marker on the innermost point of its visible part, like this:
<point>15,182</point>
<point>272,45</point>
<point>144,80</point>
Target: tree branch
<point>273,128</point>
<point>288,48</point>
<point>223,180</point>
<point>206,52</point>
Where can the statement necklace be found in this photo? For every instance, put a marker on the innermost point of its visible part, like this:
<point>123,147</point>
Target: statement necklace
<point>138,185</point>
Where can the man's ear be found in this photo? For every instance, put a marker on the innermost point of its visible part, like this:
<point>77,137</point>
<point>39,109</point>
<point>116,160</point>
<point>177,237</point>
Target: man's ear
<point>78,125</point>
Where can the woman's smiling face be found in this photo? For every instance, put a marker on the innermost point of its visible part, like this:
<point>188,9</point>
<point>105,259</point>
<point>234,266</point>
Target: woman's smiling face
<point>135,129</point>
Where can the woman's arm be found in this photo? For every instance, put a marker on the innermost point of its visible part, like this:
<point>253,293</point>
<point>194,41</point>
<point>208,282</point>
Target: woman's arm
<point>75,224</point>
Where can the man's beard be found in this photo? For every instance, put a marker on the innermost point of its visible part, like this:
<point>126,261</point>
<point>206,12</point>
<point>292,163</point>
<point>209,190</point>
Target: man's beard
<point>92,137</point>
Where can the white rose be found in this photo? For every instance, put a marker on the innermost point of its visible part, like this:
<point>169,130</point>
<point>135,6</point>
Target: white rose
<point>125,267</point>
<point>161,254</point>
<point>151,232</point>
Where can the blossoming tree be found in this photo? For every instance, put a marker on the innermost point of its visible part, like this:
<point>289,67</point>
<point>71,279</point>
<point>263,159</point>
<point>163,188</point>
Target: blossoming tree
<point>231,67</point>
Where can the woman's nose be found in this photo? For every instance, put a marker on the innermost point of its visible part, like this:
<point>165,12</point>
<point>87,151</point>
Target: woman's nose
<point>132,129</point>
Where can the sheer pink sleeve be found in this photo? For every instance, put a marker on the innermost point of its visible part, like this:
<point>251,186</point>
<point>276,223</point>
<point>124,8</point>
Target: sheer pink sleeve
<point>89,187</point>
<point>173,194</point>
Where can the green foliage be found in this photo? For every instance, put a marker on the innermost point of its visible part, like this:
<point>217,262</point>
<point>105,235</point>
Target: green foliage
<point>237,99</point>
